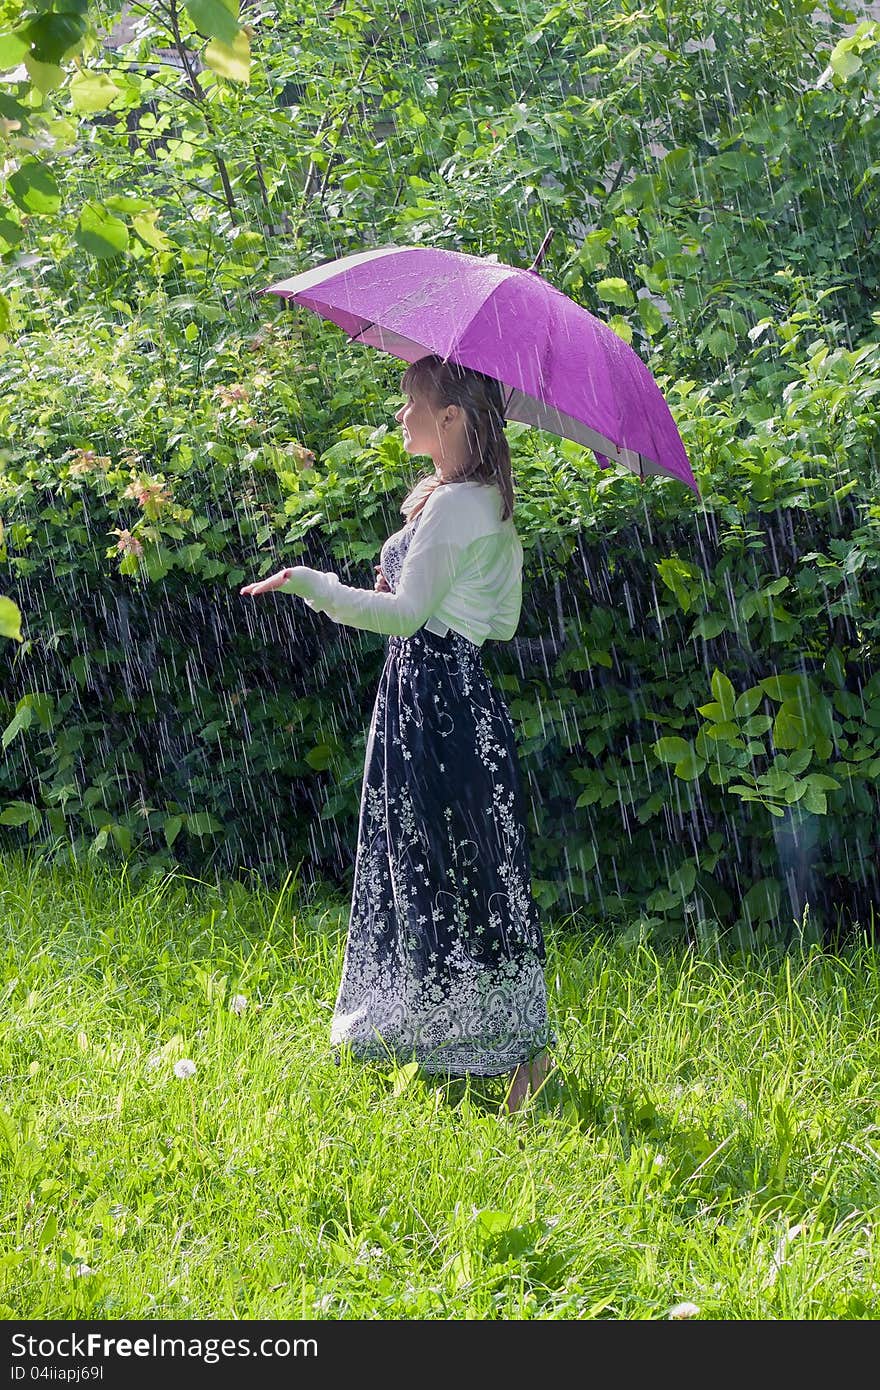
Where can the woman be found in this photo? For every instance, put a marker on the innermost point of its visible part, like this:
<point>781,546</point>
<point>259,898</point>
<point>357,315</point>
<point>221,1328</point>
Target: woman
<point>444,957</point>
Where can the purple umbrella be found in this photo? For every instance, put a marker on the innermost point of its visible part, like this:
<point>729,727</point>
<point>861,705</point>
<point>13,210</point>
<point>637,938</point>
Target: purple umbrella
<point>568,372</point>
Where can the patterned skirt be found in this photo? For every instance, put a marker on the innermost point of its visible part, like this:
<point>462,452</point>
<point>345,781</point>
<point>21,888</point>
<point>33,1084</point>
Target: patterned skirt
<point>445,952</point>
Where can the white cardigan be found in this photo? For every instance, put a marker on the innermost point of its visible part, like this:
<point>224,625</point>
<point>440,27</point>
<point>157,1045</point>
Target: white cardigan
<point>463,570</point>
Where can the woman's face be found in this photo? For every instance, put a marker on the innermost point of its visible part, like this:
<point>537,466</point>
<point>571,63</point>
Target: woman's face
<point>435,431</point>
<point>422,429</point>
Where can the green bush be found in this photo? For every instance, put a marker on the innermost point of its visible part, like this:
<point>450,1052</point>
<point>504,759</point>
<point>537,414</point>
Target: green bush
<point>694,682</point>
<point>699,725</point>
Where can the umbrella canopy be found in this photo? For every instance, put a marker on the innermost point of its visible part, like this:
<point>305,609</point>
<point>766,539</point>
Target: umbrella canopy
<point>567,371</point>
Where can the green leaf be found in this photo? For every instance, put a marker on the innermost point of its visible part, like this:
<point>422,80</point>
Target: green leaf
<point>13,46</point>
<point>747,793</point>
<point>232,60</point>
<point>748,701</point>
<point>683,879</point>
<point>758,724</point>
<point>653,323</point>
<point>100,233</point>
<point>404,1076</point>
<point>320,757</point>
<point>815,801</point>
<point>619,325</point>
<point>789,728</point>
<point>777,779</point>
<point>21,720</point>
<point>33,188</point>
<point>49,1231</point>
<point>412,114</point>
<point>723,731</point>
<point>9,1131</point>
<point>721,343</point>
<point>843,62</point>
<point>79,669</point>
<point>786,687</point>
<point>461,1268</point>
<point>171,829</point>
<point>644,812</point>
<point>122,836</point>
<point>640,192</point>
<point>42,704</point>
<point>202,823</point>
<point>593,253</point>
<point>690,766</point>
<point>10,620</point>
<point>44,76</point>
<point>822,782</point>
<point>145,226</point>
<point>216,18</point>
<point>872,712</point>
<point>661,900</point>
<point>761,902</point>
<point>124,202</point>
<point>776,586</point>
<point>833,665</point>
<point>672,749</point>
<point>797,762</point>
<point>709,626</point>
<point>20,813</point>
<point>722,689</point>
<point>11,233</point>
<point>615,291</point>
<point>590,795</point>
<point>92,91</point>
<point>99,841</point>
<point>681,578</point>
<point>490,1223</point>
<point>54,36</point>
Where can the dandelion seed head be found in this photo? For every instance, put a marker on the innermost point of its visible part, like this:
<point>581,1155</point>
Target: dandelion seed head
<point>684,1310</point>
<point>184,1068</point>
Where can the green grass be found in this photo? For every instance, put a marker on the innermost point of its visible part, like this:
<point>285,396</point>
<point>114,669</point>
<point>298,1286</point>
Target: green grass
<point>711,1134</point>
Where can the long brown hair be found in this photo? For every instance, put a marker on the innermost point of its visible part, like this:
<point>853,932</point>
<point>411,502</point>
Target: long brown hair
<point>482,400</point>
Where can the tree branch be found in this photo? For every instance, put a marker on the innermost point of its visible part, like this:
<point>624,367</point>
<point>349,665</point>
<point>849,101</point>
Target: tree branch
<point>348,114</point>
<point>200,96</point>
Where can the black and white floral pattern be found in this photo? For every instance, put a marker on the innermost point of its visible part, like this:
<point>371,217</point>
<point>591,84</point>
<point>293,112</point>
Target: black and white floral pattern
<point>445,953</point>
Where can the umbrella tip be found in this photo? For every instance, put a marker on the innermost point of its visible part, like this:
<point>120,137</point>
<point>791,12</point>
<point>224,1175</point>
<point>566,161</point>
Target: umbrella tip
<point>542,249</point>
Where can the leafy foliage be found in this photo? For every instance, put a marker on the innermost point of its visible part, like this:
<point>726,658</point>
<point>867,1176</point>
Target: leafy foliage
<point>700,728</point>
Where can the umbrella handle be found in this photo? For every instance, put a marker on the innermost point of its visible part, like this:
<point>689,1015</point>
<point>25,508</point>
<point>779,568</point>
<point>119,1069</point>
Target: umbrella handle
<point>543,247</point>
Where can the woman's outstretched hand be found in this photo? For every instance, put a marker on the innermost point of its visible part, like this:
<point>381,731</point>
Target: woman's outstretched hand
<point>265,586</point>
<point>274,581</point>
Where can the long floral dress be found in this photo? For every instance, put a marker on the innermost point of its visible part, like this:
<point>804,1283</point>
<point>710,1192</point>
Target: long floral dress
<point>445,952</point>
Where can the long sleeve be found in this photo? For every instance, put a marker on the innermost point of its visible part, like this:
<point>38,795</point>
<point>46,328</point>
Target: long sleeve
<point>429,571</point>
